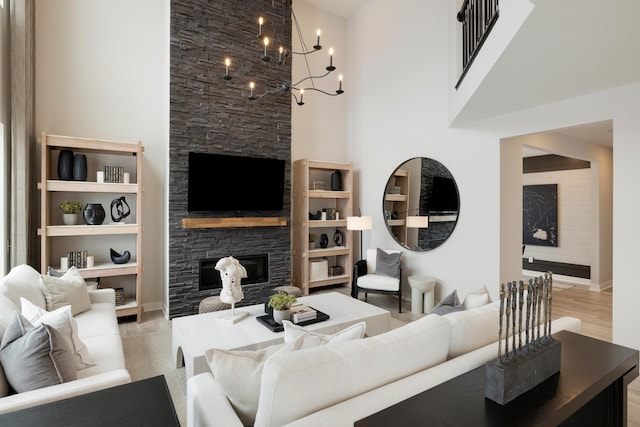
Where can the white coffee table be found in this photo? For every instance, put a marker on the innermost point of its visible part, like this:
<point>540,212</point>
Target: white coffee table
<point>193,335</point>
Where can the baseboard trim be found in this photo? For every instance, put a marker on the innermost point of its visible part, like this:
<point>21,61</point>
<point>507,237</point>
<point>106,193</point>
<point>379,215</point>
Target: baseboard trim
<point>558,268</point>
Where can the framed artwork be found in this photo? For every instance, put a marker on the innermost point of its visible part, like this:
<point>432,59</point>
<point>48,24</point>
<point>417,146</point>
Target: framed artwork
<point>540,215</point>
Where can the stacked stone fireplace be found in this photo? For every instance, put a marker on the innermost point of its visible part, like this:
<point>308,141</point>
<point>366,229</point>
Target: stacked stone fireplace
<point>213,115</point>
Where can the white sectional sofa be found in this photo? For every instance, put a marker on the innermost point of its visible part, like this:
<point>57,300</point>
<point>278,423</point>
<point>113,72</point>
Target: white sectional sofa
<point>97,328</point>
<point>337,384</point>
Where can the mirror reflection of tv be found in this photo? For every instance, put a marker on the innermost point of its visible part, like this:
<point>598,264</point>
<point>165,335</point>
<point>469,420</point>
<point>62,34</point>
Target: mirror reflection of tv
<point>444,196</point>
<point>219,182</point>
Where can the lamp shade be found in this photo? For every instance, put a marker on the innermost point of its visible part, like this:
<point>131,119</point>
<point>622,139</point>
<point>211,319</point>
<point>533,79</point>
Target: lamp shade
<point>359,223</point>
<point>417,222</point>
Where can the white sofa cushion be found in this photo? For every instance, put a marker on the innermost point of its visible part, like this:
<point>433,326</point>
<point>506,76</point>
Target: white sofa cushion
<point>7,310</point>
<point>62,320</point>
<point>476,299</point>
<point>333,373</point>
<point>23,281</point>
<point>313,339</point>
<point>69,289</point>
<point>472,329</point>
<point>239,374</point>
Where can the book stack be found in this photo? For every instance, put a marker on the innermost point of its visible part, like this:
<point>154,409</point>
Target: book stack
<point>114,174</point>
<point>77,259</point>
<point>119,296</point>
<point>301,313</point>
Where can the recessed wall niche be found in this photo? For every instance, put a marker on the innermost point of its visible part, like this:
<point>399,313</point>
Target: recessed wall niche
<point>213,115</point>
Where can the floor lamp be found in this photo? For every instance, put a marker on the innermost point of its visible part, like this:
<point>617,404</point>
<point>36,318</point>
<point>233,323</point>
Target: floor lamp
<point>359,223</point>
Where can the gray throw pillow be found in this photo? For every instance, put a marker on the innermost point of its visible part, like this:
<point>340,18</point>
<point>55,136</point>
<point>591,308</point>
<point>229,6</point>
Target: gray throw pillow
<point>449,304</point>
<point>54,273</point>
<point>33,358</point>
<point>388,264</point>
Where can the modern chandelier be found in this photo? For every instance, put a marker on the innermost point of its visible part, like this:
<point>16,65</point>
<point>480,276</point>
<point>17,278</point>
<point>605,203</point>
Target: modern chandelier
<point>265,47</point>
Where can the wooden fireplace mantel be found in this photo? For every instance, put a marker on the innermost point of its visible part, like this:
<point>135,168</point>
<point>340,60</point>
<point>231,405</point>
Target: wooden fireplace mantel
<point>233,222</point>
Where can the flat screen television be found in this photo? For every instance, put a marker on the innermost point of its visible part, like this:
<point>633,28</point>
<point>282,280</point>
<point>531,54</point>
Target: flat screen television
<point>220,182</point>
<point>444,196</point>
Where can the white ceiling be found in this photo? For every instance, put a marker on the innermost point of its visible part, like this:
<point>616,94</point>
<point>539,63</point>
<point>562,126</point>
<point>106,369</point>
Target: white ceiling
<point>342,8</point>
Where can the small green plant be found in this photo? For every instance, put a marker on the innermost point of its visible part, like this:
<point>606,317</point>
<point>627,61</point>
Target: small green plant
<point>281,301</point>
<point>71,207</point>
<point>312,237</point>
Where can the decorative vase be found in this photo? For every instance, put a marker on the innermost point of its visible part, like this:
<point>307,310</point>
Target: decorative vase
<point>338,238</point>
<point>324,240</point>
<point>80,168</point>
<point>93,214</point>
<point>280,315</point>
<point>65,165</point>
<point>312,245</point>
<point>116,258</point>
<point>336,181</point>
<point>70,219</point>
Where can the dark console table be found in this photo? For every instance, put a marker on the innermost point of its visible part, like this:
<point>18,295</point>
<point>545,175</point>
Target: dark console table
<point>590,390</point>
<point>141,403</point>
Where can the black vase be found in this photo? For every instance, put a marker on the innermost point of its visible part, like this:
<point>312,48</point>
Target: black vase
<point>80,168</point>
<point>336,181</point>
<point>324,240</point>
<point>93,214</point>
<point>116,258</point>
<point>65,165</point>
<point>338,238</point>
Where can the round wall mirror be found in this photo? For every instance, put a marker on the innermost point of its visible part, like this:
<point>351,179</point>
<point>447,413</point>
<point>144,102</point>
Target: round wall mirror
<point>421,204</point>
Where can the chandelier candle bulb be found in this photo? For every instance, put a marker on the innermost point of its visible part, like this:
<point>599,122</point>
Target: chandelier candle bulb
<point>251,86</point>
<point>280,54</point>
<point>301,96</point>
<point>330,67</point>
<point>266,58</point>
<point>260,22</point>
<point>227,62</point>
<point>317,46</point>
<point>340,83</point>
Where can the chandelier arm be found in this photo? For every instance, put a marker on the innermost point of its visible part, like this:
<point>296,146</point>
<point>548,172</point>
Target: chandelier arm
<point>310,77</point>
<point>306,52</point>
<point>319,90</point>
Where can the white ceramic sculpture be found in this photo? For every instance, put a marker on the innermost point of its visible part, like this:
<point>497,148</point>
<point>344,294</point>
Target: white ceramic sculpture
<point>231,273</point>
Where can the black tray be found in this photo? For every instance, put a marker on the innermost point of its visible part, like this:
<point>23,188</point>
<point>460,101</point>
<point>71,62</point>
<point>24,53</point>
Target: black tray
<point>268,321</point>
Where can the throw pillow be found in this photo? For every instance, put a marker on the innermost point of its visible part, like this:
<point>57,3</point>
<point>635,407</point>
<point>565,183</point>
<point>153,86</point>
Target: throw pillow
<point>388,264</point>
<point>53,272</point>
<point>449,304</point>
<point>62,320</point>
<point>70,289</point>
<point>312,339</point>
<point>239,373</point>
<point>476,299</point>
<point>33,358</point>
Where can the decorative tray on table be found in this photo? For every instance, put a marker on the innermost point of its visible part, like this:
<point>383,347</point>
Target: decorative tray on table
<point>267,320</point>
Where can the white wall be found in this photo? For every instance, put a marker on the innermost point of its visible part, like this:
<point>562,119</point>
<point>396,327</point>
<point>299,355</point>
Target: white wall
<point>318,128</point>
<point>102,71</point>
<point>5,125</point>
<point>398,62</point>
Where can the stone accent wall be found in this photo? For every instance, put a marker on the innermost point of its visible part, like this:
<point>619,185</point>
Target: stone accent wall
<point>210,114</point>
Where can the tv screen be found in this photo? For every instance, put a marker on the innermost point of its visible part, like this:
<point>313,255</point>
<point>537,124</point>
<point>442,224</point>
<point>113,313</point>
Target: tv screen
<point>444,197</point>
<point>234,183</point>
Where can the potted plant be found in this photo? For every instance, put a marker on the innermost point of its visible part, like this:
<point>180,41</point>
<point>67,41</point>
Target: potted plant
<point>281,304</point>
<point>312,241</point>
<point>70,211</point>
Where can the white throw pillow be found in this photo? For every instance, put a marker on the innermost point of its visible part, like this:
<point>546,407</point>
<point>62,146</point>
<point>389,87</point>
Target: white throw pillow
<point>476,299</point>
<point>62,320</point>
<point>69,289</point>
<point>239,373</point>
<point>312,339</point>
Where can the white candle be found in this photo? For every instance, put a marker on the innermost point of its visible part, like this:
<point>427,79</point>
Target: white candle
<point>227,62</point>
<point>100,176</point>
<point>251,86</point>
<point>126,177</point>
<point>280,54</point>
<point>260,22</point>
<point>318,34</point>
<point>64,263</point>
<point>330,57</point>
<point>90,261</point>
<point>266,43</point>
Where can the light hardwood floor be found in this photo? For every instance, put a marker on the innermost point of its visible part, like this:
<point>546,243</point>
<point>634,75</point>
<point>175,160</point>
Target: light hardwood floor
<point>147,345</point>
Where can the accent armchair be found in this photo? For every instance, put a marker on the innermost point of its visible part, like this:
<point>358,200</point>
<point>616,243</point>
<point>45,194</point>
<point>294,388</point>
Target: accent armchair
<point>385,279</point>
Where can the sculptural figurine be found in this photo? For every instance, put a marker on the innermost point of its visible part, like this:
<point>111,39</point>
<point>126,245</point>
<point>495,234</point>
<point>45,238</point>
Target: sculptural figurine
<point>231,273</point>
<point>514,306</point>
<point>528,319</point>
<point>508,313</point>
<point>520,303</point>
<point>501,321</point>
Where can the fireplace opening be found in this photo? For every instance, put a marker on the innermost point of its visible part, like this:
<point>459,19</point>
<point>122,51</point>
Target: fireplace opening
<point>257,267</point>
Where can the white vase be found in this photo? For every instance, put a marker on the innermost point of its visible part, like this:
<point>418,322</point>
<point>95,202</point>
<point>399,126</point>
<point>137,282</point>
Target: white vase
<point>280,315</point>
<point>70,219</point>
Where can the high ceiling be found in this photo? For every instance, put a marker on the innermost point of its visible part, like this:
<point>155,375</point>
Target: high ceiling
<point>342,8</point>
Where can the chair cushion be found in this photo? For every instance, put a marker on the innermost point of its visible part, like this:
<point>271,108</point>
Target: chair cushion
<point>378,282</point>
<point>388,264</point>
